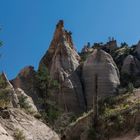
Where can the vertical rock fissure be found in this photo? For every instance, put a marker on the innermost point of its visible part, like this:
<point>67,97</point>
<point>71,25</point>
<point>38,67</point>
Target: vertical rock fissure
<point>95,99</point>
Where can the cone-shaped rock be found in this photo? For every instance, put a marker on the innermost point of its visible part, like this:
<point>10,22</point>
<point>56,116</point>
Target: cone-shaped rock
<point>62,47</point>
<point>131,65</point>
<point>130,71</point>
<point>100,75</point>
<point>62,60</point>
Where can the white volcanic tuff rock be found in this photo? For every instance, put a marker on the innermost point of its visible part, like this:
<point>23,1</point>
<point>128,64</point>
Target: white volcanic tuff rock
<point>61,38</point>
<point>4,135</point>
<point>32,128</point>
<point>13,119</point>
<point>20,93</point>
<point>131,65</point>
<point>61,53</point>
<point>11,92</point>
<point>100,75</point>
<point>26,80</point>
<point>62,61</point>
<point>15,94</point>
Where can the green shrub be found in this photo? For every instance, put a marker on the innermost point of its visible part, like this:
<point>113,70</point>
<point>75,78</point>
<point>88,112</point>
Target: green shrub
<point>18,135</point>
<point>75,138</point>
<point>4,98</point>
<point>2,82</point>
<point>137,127</point>
<point>120,119</point>
<point>51,114</point>
<point>130,87</point>
<point>128,79</point>
<point>23,102</point>
<point>84,56</point>
<point>45,81</point>
<point>44,116</point>
<point>106,103</point>
<point>92,134</point>
<point>45,85</point>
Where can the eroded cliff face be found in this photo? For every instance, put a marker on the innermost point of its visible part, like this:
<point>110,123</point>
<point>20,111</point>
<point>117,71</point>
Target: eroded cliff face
<point>61,39</point>
<point>16,120</point>
<point>31,128</point>
<point>62,61</point>
<point>26,80</point>
<point>100,75</point>
<point>78,85</point>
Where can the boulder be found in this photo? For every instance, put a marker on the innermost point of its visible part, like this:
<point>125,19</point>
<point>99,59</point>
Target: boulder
<point>130,71</point>
<point>27,126</point>
<point>131,65</point>
<point>100,76</point>
<point>62,62</point>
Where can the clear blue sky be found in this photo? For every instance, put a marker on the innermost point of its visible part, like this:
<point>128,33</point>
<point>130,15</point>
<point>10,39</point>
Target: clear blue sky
<point>28,26</point>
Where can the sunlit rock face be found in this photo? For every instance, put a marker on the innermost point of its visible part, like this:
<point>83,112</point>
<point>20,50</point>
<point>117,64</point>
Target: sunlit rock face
<point>4,135</point>
<point>61,44</point>
<point>62,61</point>
<point>100,76</point>
<point>30,128</point>
<point>16,120</point>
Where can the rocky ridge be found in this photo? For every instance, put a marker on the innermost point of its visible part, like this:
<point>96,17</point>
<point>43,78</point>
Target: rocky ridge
<point>62,62</point>
<point>83,81</point>
<point>17,123</point>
